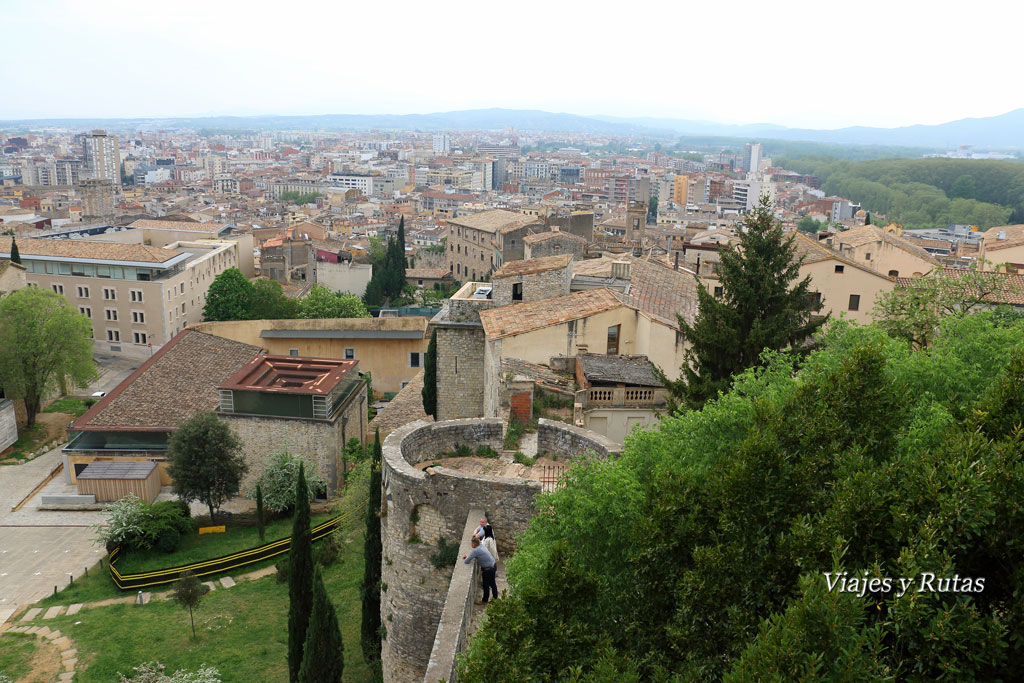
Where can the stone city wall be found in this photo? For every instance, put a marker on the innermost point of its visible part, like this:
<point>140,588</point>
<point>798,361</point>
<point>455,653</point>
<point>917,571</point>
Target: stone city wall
<point>569,441</point>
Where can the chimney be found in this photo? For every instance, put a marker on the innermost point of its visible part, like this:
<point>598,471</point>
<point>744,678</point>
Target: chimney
<point>620,270</point>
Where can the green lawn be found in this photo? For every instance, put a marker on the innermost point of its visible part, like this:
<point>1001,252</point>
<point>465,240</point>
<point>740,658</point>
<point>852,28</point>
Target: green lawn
<point>193,548</point>
<point>71,406</point>
<point>16,650</point>
<point>242,631</point>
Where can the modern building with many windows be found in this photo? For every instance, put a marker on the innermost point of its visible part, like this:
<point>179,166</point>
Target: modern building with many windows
<point>102,156</point>
<point>138,296</point>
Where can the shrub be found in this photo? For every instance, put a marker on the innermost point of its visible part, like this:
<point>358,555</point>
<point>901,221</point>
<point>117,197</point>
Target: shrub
<point>485,451</point>
<point>446,555</point>
<point>168,540</point>
<point>137,525</point>
<point>278,481</point>
<point>153,672</point>
<point>327,551</point>
<point>282,567</point>
<point>463,451</point>
<point>523,459</point>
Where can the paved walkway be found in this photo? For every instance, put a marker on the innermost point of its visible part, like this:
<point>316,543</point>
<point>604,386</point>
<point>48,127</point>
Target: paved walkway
<point>38,549</point>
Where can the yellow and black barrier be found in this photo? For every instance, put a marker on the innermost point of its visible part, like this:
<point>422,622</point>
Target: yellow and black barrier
<point>214,566</point>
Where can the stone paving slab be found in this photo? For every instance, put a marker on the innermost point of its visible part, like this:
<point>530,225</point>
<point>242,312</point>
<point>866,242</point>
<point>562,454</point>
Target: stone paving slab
<point>75,608</point>
<point>6,613</point>
<point>53,612</point>
<point>66,676</point>
<point>146,598</point>
<point>69,653</point>
<point>32,614</point>
<point>211,585</point>
<point>63,642</point>
<point>227,582</point>
<point>69,664</point>
<point>53,635</point>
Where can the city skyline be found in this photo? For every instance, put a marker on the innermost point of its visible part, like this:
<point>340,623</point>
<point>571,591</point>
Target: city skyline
<point>811,67</point>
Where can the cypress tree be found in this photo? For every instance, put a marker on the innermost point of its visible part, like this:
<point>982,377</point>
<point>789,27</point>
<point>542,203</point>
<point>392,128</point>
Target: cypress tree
<point>759,308</point>
<point>259,511</point>
<point>429,391</point>
<point>370,631</point>
<point>300,578</point>
<point>15,254</point>
<point>323,659</point>
<point>401,242</point>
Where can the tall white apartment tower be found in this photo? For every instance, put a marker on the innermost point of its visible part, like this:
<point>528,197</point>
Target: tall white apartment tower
<point>102,156</point>
<point>442,143</point>
<point>753,151</point>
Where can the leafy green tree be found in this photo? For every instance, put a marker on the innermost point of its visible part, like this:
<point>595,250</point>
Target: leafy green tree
<point>43,341</point>
<point>762,306</point>
<point>188,592</point>
<point>295,197</point>
<point>652,210</point>
<point>229,297</point>
<point>323,658</point>
<point>370,637</point>
<point>709,538</point>
<point>323,303</point>
<point>15,253</point>
<point>300,579</point>
<point>809,225</point>
<point>205,460</point>
<point>963,188</point>
<point>429,391</point>
<point>913,311</point>
<point>268,302</point>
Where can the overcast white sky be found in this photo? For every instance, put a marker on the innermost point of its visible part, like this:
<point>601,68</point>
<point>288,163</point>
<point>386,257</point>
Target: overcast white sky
<point>820,64</point>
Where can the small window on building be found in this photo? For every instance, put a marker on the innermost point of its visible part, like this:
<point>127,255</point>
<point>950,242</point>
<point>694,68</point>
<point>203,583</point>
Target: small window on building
<point>894,273</point>
<point>855,302</point>
<point>293,352</point>
<point>113,335</point>
<point>867,256</point>
<point>816,301</point>
<point>405,384</point>
<point>139,337</point>
<point>138,317</point>
<point>840,269</point>
<point>517,291</point>
<point>414,359</point>
<point>350,354</point>
<point>86,311</point>
<point>109,293</point>
<point>135,294</point>
<point>111,313</point>
<point>83,292</point>
<point>58,288</point>
<point>718,291</point>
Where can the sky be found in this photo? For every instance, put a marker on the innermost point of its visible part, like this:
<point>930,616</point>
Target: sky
<point>801,64</point>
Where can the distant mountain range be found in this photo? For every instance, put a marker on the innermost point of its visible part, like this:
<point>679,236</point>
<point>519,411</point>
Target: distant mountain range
<point>1005,131</point>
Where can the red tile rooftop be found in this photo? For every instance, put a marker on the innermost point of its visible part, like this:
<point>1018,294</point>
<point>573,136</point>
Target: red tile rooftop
<point>290,374</point>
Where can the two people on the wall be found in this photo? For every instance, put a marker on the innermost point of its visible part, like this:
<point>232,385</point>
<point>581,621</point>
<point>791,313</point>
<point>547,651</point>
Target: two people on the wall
<point>485,552</point>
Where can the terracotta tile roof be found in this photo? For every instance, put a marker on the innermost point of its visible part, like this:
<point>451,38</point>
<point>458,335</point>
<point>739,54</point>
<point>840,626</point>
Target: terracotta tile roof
<point>629,370</point>
<point>867,234</point>
<point>533,265</point>
<point>175,383</point>
<point>505,321</point>
<point>554,234</point>
<point>290,375</point>
<point>597,267</point>
<point>1012,292</point>
<point>495,221</point>
<point>1014,237</point>
<point>89,249</point>
<point>427,273</point>
<point>185,226</point>
<point>812,252</point>
<point>660,291</point>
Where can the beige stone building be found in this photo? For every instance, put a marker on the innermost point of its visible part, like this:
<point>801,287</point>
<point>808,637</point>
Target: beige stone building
<point>12,277</point>
<point>882,251</point>
<point>138,296</point>
<point>480,243</point>
<point>845,288</point>
<point>390,349</point>
<point>1002,248</point>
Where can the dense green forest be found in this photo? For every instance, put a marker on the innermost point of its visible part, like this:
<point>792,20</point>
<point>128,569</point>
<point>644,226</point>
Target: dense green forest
<point>714,547</point>
<point>925,193</point>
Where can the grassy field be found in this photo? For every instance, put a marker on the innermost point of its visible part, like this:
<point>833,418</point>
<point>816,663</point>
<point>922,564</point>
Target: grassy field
<point>242,631</point>
<point>16,652</point>
<point>71,406</point>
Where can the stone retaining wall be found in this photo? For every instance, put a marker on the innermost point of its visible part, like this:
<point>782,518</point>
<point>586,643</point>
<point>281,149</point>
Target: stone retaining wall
<point>571,442</point>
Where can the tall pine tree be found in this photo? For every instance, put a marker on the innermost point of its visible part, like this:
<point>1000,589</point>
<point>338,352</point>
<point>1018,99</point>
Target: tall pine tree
<point>370,631</point>
<point>323,658</point>
<point>429,391</point>
<point>300,578</point>
<point>15,254</point>
<point>759,308</point>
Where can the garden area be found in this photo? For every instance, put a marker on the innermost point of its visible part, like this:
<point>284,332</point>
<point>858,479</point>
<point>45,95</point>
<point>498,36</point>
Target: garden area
<point>242,625</point>
<point>47,432</point>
